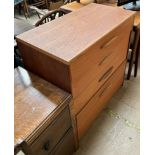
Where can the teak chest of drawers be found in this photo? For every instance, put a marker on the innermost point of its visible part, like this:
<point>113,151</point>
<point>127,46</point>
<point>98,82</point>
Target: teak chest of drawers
<point>42,117</point>
<point>83,52</point>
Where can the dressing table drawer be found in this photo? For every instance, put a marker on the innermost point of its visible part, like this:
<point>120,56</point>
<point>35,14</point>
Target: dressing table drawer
<point>52,134</point>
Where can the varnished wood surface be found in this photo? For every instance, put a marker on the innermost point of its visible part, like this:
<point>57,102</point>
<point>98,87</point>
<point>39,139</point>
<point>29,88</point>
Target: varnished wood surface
<point>73,6</point>
<point>137,19</point>
<point>109,51</point>
<point>65,146</point>
<point>88,114</point>
<point>69,36</point>
<point>103,72</point>
<point>49,138</point>
<point>137,15</point>
<point>46,67</point>
<point>35,100</point>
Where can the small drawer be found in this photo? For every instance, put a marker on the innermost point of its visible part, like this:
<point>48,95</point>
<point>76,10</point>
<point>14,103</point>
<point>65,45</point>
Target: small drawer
<point>52,134</point>
<point>95,105</point>
<point>85,68</point>
<point>66,145</point>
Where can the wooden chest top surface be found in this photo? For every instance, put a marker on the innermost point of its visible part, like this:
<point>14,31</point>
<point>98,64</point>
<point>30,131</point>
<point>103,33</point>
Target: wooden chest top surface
<point>35,100</point>
<point>69,36</point>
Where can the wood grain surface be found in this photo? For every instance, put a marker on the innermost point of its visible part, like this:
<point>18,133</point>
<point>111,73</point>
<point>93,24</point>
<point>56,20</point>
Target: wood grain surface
<point>35,100</point>
<point>50,137</point>
<point>89,113</point>
<point>66,145</point>
<point>137,13</point>
<point>69,36</point>
<point>73,6</point>
<point>110,50</point>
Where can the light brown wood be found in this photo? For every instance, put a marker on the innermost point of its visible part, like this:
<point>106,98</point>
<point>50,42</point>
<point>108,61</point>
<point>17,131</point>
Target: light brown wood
<point>79,52</point>
<point>62,42</point>
<point>37,103</point>
<point>73,6</point>
<point>46,67</point>
<point>96,59</point>
<point>108,68</point>
<point>99,101</point>
<point>112,59</point>
<point>137,13</point>
<point>74,124</point>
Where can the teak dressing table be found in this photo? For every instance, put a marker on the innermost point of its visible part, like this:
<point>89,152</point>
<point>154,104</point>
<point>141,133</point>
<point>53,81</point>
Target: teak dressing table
<point>84,53</point>
<point>42,116</point>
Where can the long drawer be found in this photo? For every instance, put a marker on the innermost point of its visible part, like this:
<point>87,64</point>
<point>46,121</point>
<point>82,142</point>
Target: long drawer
<point>52,135</point>
<point>88,114</point>
<point>98,56</point>
<point>107,69</point>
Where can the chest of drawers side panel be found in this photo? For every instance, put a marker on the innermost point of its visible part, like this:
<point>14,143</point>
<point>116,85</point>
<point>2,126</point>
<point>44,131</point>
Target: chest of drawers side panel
<point>45,66</point>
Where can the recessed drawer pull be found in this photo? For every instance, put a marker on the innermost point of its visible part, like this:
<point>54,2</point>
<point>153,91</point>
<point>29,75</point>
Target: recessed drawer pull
<point>46,146</point>
<point>106,74</point>
<point>104,58</point>
<point>104,90</point>
<point>109,42</point>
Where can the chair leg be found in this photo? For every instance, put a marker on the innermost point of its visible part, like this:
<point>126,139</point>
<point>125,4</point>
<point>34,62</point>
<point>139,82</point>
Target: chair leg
<point>137,58</point>
<point>134,49</point>
<point>26,11</point>
<point>131,61</point>
<point>46,3</point>
<point>19,9</point>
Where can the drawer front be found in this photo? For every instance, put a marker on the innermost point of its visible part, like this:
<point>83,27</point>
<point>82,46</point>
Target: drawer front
<point>66,146</point>
<point>85,68</point>
<point>107,69</point>
<point>52,134</point>
<point>88,114</point>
